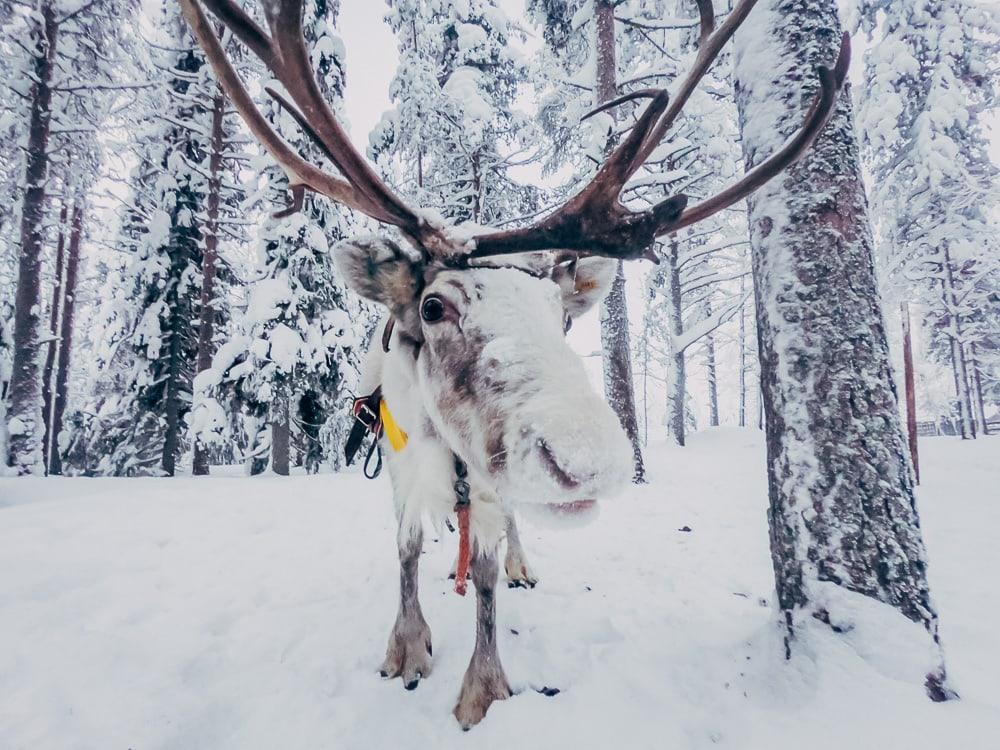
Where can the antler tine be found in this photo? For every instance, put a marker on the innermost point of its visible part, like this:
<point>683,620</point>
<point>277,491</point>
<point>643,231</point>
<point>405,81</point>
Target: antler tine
<point>706,15</point>
<point>299,171</point>
<point>831,81</point>
<point>244,27</point>
<point>711,43</point>
<point>284,53</point>
<point>373,209</point>
<point>595,222</point>
<point>630,96</point>
<point>296,74</point>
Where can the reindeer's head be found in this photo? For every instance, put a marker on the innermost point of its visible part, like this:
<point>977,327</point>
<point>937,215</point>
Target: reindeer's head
<point>495,375</point>
<point>493,371</point>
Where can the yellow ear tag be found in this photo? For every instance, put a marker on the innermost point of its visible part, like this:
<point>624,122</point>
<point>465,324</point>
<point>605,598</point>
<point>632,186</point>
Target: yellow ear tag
<point>397,438</point>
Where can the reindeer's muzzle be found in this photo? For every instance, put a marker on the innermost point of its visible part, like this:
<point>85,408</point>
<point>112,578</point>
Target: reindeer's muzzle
<point>572,449</point>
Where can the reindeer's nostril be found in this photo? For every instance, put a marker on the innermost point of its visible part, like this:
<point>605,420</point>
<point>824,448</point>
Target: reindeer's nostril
<point>566,480</point>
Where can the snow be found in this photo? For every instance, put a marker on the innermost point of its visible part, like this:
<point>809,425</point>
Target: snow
<point>229,612</point>
<point>465,87</point>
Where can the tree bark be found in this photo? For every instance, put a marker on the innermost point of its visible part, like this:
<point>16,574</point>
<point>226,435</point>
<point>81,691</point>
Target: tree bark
<point>955,336</point>
<point>743,356</point>
<point>280,436</point>
<point>711,373</point>
<point>842,511</point>
<point>677,395</point>
<point>206,323</point>
<point>24,391</point>
<point>52,347</point>
<point>977,382</point>
<point>911,392</point>
<point>67,314</point>
<point>619,388</point>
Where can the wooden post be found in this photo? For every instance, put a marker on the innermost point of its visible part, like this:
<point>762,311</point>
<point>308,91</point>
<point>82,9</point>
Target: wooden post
<point>911,395</point>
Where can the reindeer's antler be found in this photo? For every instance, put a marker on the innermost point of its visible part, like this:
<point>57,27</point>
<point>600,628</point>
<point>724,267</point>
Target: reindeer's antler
<point>282,49</point>
<point>595,221</point>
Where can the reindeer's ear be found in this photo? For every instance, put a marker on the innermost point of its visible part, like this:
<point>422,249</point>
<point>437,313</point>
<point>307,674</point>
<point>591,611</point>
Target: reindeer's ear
<point>380,270</point>
<point>584,282</point>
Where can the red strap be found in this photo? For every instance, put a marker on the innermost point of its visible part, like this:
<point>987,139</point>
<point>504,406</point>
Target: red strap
<point>464,549</point>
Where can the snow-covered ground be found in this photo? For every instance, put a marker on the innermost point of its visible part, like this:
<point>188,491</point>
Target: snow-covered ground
<point>227,612</point>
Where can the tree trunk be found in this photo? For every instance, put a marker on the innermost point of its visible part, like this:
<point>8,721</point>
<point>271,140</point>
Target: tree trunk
<point>618,386</point>
<point>711,373</point>
<point>955,336</point>
<point>842,512</point>
<point>67,313</point>
<point>172,396</point>
<point>52,347</point>
<point>743,355</point>
<point>977,383</point>
<point>206,323</point>
<point>677,395</point>
<point>280,436</point>
<point>24,418</point>
<point>911,392</point>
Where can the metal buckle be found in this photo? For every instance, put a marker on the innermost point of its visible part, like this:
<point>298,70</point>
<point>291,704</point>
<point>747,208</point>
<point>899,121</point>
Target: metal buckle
<point>366,416</point>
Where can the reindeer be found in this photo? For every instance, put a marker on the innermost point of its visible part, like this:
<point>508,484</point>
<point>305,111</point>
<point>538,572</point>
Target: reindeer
<point>496,407</point>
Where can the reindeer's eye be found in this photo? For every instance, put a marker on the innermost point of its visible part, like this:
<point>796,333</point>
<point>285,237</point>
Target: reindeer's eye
<point>432,309</point>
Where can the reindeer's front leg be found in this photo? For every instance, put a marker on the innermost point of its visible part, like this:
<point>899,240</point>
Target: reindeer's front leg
<point>409,651</point>
<point>485,680</point>
<point>519,573</point>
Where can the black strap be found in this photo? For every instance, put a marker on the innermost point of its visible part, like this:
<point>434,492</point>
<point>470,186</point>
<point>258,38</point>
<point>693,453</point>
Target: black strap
<point>461,485</point>
<point>367,420</point>
<point>377,450</point>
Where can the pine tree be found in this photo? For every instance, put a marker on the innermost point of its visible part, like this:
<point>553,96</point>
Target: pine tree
<point>928,85</point>
<point>843,517</point>
<point>454,132</point>
<point>63,312</point>
<point>141,423</point>
<point>24,418</point>
<point>294,357</point>
<point>61,55</point>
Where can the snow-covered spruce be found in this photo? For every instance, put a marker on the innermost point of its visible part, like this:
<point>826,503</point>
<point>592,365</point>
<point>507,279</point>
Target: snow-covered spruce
<point>149,333</point>
<point>921,117</point>
<point>291,365</point>
<point>843,515</point>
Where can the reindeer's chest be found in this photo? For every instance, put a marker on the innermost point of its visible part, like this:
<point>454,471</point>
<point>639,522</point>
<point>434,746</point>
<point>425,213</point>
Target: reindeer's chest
<point>423,472</point>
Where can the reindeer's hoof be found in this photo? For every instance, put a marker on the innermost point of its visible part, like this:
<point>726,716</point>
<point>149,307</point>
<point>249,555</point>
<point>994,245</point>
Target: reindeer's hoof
<point>519,574</point>
<point>480,688</point>
<point>408,655</point>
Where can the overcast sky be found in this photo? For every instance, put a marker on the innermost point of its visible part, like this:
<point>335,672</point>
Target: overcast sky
<point>371,63</point>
